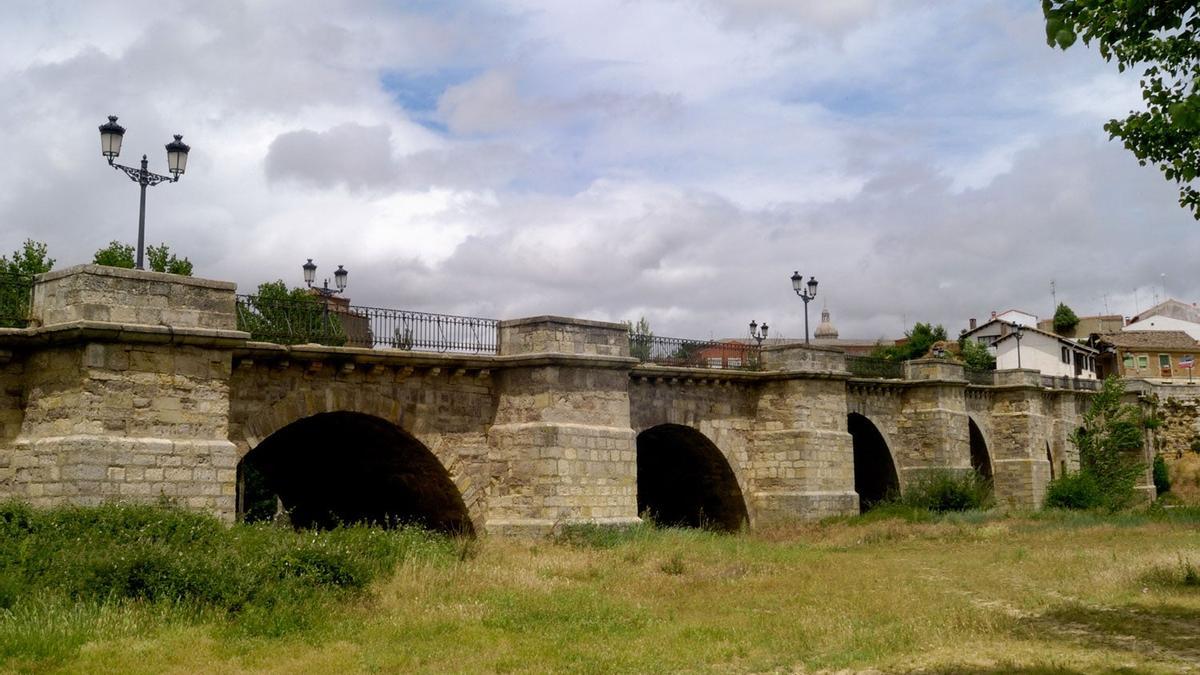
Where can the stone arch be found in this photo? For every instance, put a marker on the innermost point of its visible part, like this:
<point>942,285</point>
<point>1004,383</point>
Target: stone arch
<point>875,476</point>
<point>348,467</point>
<point>683,479</point>
<point>981,456</point>
<point>261,422</point>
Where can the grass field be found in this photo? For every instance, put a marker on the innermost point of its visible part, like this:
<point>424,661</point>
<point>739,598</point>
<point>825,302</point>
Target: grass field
<point>1052,592</point>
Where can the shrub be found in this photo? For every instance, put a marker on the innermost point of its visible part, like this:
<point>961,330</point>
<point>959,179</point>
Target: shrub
<point>269,576</point>
<point>1074,491</point>
<point>943,490</point>
<point>1109,442</point>
<point>1162,479</point>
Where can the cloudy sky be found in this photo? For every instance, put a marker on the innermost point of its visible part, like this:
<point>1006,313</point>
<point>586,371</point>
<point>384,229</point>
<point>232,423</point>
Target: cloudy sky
<point>606,159</point>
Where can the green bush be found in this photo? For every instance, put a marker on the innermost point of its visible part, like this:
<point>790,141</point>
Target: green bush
<point>1077,490</point>
<point>117,554</point>
<point>1110,442</point>
<point>1162,478</point>
<point>942,490</point>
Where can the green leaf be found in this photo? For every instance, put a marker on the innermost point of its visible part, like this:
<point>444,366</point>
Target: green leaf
<point>1065,37</point>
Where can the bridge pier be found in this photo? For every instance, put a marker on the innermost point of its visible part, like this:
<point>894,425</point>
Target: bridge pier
<point>802,457</point>
<point>1019,433</point>
<point>127,394</point>
<point>932,432</point>
<point>561,447</point>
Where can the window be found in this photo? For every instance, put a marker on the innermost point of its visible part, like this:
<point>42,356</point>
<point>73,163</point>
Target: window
<point>1066,354</point>
<point>714,362</point>
<point>735,362</point>
<point>1143,361</point>
<point>1128,361</point>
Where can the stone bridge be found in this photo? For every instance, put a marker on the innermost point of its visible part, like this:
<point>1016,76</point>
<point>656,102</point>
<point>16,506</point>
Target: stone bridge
<point>137,386</point>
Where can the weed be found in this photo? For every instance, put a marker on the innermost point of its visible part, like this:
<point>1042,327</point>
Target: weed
<point>673,565</point>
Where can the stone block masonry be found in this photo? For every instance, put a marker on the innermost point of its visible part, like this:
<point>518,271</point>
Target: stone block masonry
<point>136,386</point>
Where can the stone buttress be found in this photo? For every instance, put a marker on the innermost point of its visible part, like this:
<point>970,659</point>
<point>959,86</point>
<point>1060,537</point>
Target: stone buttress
<point>127,391</point>
<point>802,457</point>
<point>561,448</point>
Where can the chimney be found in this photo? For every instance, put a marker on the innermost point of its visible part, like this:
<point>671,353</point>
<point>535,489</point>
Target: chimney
<point>993,315</point>
<point>971,323</point>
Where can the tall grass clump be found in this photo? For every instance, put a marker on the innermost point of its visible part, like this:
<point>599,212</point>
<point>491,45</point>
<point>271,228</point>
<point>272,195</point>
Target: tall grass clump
<point>262,579</point>
<point>941,491</point>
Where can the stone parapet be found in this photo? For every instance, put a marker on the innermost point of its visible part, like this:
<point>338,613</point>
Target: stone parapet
<point>112,294</point>
<point>933,369</point>
<point>1018,377</point>
<point>561,335</point>
<point>803,358</point>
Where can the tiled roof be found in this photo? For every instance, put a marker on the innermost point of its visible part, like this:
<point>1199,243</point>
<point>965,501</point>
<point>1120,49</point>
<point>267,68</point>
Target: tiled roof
<point>1150,339</point>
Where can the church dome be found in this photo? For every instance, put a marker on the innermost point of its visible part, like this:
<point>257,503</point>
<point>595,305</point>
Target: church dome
<point>825,330</point>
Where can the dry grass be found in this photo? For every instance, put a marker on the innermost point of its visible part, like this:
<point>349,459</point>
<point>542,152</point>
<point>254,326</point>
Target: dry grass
<point>1185,476</point>
<point>970,594</point>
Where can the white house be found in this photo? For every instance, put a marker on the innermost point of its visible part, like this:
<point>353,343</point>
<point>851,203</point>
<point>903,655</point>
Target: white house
<point>1047,352</point>
<point>1158,322</point>
<point>999,325</point>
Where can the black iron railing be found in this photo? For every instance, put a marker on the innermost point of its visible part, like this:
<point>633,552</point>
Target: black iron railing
<point>869,366</point>
<point>686,353</point>
<point>16,291</point>
<point>326,321</point>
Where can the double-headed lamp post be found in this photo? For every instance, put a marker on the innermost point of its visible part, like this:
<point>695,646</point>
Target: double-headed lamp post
<point>758,334</point>
<point>111,135</point>
<point>798,285</point>
<point>339,279</point>
<point>1016,328</point>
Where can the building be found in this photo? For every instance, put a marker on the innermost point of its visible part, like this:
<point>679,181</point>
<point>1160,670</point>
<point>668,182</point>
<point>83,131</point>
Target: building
<point>1172,309</point>
<point>1147,354</point>
<point>1088,325</point>
<point>998,326</point>
<point>1051,354</point>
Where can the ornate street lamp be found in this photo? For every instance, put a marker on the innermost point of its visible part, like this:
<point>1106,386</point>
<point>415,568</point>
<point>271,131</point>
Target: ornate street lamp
<point>1016,327</point>
<point>339,279</point>
<point>111,135</point>
<point>758,335</point>
<point>807,296</point>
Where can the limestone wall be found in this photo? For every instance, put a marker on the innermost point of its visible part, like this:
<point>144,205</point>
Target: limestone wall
<point>134,402</point>
<point>561,335</point>
<point>115,295</point>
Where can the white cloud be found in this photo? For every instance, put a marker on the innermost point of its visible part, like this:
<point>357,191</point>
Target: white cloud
<point>602,158</point>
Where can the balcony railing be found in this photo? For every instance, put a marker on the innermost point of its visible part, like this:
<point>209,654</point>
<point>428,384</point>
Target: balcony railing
<point>666,351</point>
<point>16,291</point>
<point>312,319</point>
<point>869,366</point>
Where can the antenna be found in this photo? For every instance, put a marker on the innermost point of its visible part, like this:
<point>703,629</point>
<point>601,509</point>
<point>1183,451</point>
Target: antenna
<point>1053,297</point>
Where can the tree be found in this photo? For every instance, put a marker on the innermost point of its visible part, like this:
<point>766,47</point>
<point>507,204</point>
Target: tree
<point>115,254</point>
<point>919,341</point>
<point>1064,319</point>
<point>640,339</point>
<point>1163,37</point>
<point>159,257</point>
<point>289,317</point>
<point>16,281</point>
<point>162,260</point>
<point>1110,442</point>
<point>975,356</point>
